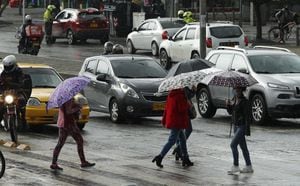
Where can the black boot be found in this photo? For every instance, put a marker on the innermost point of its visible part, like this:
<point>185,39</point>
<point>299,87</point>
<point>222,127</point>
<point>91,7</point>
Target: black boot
<point>177,153</point>
<point>187,162</point>
<point>158,160</point>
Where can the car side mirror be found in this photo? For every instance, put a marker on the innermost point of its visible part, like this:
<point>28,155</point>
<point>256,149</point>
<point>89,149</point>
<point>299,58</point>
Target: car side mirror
<point>134,29</point>
<point>170,38</point>
<point>243,70</point>
<point>101,77</point>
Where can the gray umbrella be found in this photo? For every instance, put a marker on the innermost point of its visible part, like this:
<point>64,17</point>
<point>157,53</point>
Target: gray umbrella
<point>189,66</point>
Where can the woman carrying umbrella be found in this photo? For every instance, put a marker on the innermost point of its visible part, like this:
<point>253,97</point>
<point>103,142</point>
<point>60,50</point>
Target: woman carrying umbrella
<point>69,111</point>
<point>240,119</point>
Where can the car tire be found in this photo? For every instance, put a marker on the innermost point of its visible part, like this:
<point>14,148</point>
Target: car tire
<point>205,106</point>
<point>81,125</point>
<point>114,111</point>
<point>70,37</point>
<point>195,55</point>
<point>154,48</point>
<point>164,59</point>
<point>259,113</point>
<point>130,47</point>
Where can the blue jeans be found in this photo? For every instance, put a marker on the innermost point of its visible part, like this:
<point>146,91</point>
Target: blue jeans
<point>239,139</point>
<point>174,135</point>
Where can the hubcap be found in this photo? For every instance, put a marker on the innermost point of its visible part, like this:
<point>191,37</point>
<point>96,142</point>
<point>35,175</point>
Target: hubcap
<point>70,37</point>
<point>114,111</point>
<point>163,59</point>
<point>154,49</point>
<point>203,102</point>
<point>129,46</point>
<point>257,109</point>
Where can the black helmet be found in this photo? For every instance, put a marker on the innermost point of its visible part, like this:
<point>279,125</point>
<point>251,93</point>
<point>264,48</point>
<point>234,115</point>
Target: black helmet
<point>117,49</point>
<point>108,47</point>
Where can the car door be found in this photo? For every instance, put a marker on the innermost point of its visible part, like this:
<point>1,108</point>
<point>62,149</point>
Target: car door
<point>138,38</point>
<point>154,34</point>
<point>57,27</point>
<point>176,45</point>
<point>89,91</point>
<point>219,93</point>
<point>187,44</point>
<point>102,88</point>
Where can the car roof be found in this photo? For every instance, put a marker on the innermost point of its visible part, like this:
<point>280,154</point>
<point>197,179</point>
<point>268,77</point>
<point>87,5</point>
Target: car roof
<point>164,19</point>
<point>33,65</point>
<point>82,10</point>
<point>214,24</point>
<point>112,57</point>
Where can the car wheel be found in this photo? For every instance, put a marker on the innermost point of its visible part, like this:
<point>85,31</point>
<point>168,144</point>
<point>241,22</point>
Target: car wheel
<point>70,37</point>
<point>154,48</point>
<point>114,111</point>
<point>81,125</point>
<point>205,106</point>
<point>165,61</point>
<point>259,113</point>
<point>195,55</point>
<point>130,47</point>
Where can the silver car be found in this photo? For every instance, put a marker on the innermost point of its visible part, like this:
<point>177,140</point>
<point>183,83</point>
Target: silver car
<point>277,71</point>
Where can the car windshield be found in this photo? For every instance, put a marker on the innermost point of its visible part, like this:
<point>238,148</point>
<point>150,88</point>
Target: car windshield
<point>172,23</point>
<point>43,77</point>
<point>137,68</point>
<point>275,64</point>
<point>90,15</point>
<point>225,31</point>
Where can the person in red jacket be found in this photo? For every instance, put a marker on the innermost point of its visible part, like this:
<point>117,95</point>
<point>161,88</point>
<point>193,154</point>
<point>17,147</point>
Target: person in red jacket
<point>176,119</point>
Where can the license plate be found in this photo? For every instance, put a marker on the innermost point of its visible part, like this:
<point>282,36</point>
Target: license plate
<point>93,25</point>
<point>158,106</point>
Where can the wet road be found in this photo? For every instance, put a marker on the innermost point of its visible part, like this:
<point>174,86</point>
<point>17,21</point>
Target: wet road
<point>123,155</point>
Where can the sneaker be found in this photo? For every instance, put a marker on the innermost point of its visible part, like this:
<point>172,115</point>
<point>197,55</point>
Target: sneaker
<point>234,170</point>
<point>55,167</point>
<point>247,169</point>
<point>87,164</point>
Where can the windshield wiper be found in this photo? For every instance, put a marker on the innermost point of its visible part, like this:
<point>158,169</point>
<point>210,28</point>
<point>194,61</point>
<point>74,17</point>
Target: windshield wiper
<point>263,72</point>
<point>125,77</point>
<point>43,86</point>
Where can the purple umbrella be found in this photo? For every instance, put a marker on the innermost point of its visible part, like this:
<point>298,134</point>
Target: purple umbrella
<point>66,90</point>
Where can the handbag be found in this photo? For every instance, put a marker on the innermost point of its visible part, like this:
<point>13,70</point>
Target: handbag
<point>192,111</point>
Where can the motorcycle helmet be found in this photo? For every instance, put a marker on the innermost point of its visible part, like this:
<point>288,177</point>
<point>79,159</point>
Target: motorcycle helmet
<point>117,49</point>
<point>28,19</point>
<point>108,47</point>
<point>180,13</point>
<point>187,14</point>
<point>9,63</point>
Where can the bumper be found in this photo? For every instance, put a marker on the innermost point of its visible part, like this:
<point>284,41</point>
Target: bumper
<point>37,115</point>
<point>285,111</point>
<point>92,34</point>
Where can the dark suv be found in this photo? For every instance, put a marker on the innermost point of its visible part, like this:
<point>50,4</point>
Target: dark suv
<point>80,24</point>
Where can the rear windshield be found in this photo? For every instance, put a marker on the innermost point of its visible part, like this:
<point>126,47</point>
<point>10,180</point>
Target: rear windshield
<point>90,15</point>
<point>226,32</point>
<point>137,68</point>
<point>172,24</point>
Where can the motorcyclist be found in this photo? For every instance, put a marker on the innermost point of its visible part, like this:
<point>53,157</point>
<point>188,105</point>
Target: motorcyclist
<point>117,49</point>
<point>12,78</point>
<point>108,47</point>
<point>180,13</point>
<point>23,39</point>
<point>48,19</point>
<point>188,17</point>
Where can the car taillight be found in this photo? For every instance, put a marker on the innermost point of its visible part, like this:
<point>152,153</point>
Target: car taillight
<point>246,41</point>
<point>209,42</point>
<point>165,35</point>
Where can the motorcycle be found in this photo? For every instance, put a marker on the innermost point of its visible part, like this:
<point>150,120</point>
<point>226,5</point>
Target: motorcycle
<point>11,114</point>
<point>33,40</point>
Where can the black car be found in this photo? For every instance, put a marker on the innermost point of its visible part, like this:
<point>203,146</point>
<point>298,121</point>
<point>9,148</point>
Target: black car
<point>124,85</point>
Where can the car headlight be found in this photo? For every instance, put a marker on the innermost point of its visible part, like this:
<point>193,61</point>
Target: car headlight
<point>128,90</point>
<point>33,102</point>
<point>278,86</point>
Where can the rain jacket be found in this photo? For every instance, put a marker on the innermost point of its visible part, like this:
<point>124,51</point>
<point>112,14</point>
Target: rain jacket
<point>48,17</point>
<point>66,114</point>
<point>176,111</point>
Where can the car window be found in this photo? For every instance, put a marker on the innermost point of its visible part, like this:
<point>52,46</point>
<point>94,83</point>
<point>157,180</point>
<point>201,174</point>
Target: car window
<point>180,35</point>
<point>91,66</point>
<point>91,15</point>
<point>144,26</point>
<point>137,68</point>
<point>224,61</point>
<point>190,33</point>
<point>152,26</point>
<point>102,68</point>
<point>67,15</point>
<point>172,23</point>
<point>226,31</point>
<point>238,63</point>
<point>272,64</point>
<point>214,58</point>
<point>43,77</point>
<point>60,15</point>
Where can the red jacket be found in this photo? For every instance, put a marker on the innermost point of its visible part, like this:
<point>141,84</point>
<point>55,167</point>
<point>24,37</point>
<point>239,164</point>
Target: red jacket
<point>176,110</point>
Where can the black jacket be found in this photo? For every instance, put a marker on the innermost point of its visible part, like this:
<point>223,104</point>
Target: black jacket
<point>12,80</point>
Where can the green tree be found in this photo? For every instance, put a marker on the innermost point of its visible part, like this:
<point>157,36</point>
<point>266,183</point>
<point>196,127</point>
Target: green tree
<point>4,5</point>
<point>257,4</point>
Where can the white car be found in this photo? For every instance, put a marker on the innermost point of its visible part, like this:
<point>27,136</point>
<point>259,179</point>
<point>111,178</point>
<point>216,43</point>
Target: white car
<point>150,33</point>
<point>185,43</point>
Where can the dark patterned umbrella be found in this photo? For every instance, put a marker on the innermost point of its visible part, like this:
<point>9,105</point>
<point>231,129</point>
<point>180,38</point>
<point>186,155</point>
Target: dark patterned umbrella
<point>231,79</point>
